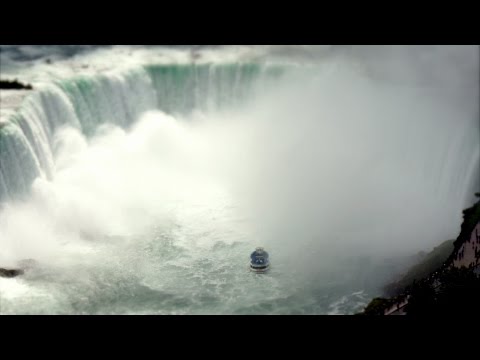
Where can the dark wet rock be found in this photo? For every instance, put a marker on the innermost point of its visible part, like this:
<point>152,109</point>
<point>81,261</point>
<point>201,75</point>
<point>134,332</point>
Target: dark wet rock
<point>20,268</point>
<point>10,273</point>
<point>14,85</point>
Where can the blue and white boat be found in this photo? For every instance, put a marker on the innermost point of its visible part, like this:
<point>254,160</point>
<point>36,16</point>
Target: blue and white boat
<point>259,260</point>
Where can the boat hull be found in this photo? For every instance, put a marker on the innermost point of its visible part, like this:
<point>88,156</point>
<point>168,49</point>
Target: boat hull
<point>259,269</point>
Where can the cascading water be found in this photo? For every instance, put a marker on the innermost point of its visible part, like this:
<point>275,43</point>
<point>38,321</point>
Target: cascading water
<point>129,210</point>
<point>87,102</point>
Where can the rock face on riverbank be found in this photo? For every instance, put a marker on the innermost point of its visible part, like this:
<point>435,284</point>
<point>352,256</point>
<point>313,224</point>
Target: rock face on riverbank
<point>432,288</point>
<point>430,262</point>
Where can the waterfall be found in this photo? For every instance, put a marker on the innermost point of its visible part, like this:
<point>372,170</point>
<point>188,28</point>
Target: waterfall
<point>86,102</point>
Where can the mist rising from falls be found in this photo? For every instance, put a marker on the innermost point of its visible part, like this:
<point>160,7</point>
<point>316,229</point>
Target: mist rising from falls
<point>312,161</point>
<point>139,176</point>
